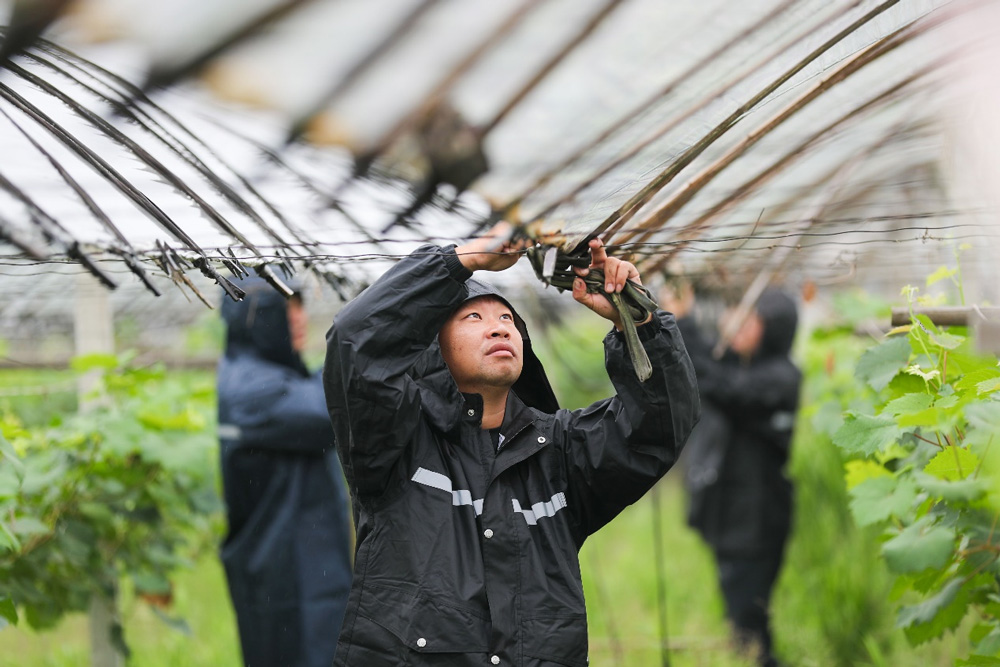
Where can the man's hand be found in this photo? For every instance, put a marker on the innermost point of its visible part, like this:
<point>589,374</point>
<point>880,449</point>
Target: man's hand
<point>616,273</point>
<point>492,252</point>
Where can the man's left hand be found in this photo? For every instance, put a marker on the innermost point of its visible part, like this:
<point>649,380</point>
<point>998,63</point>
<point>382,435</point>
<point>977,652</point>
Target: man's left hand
<point>616,273</point>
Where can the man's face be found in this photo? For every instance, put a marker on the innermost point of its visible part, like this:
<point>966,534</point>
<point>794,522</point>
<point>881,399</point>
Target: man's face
<point>481,345</point>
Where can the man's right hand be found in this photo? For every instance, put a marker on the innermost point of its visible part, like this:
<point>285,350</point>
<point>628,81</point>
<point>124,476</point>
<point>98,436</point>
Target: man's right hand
<point>493,251</point>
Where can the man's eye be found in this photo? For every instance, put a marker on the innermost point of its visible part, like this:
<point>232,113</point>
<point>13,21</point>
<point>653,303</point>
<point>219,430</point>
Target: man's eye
<point>475,315</point>
<point>506,316</point>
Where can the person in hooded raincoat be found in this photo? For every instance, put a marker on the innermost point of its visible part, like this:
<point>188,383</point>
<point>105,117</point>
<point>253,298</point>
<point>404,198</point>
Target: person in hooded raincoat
<point>287,554</point>
<point>740,499</point>
<point>473,492</point>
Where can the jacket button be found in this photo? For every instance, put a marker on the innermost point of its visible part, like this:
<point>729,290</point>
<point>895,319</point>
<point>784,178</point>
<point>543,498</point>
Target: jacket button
<point>488,533</point>
<point>472,413</point>
<point>495,660</point>
<point>541,438</point>
<point>421,642</point>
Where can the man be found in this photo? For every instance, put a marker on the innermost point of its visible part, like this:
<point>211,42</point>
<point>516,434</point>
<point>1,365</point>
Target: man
<point>288,552</point>
<point>740,498</point>
<point>473,492</point>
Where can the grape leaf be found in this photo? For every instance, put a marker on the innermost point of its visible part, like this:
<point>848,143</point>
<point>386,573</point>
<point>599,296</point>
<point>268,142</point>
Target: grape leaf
<point>964,491</point>
<point>986,640</point>
<point>952,463</point>
<point>879,498</point>
<point>919,547</point>
<point>930,618</point>
<point>866,434</point>
<point>980,376</point>
<point>908,403</point>
<point>879,364</point>
<point>947,341</point>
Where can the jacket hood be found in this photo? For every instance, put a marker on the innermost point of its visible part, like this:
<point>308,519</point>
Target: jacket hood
<point>260,322</point>
<point>532,387</point>
<point>779,316</point>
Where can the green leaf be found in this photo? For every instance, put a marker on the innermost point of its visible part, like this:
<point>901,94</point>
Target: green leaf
<point>978,661</point>
<point>988,386</point>
<point>908,403</point>
<point>8,611</point>
<point>964,491</point>
<point>972,380</point>
<point>151,582</point>
<point>986,639</point>
<point>947,341</point>
<point>904,384</point>
<point>880,364</point>
<point>919,547</point>
<point>941,419</point>
<point>878,499</point>
<point>929,619</point>
<point>952,463</point>
<point>866,434</point>
<point>942,273</point>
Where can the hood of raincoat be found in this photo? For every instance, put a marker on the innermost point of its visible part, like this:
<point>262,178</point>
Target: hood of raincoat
<point>779,316</point>
<point>532,387</point>
<point>260,323</point>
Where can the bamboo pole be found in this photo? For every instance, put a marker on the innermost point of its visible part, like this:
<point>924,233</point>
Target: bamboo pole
<point>633,113</point>
<point>689,232</point>
<point>626,211</point>
<point>848,68</point>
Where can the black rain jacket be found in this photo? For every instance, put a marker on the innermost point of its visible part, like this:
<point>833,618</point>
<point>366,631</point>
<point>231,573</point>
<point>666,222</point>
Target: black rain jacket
<point>467,555</point>
<point>740,499</point>
<point>287,555</point>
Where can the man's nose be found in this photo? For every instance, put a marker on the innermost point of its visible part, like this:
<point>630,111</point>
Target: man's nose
<point>500,330</point>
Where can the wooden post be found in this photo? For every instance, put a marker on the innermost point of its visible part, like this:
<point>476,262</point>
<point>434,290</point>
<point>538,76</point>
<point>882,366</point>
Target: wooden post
<point>93,332</point>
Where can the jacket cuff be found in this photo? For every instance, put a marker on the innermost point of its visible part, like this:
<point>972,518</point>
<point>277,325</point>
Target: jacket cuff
<point>454,265</point>
<point>646,332</point>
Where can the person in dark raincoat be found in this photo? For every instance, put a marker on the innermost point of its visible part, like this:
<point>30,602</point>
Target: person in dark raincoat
<point>473,492</point>
<point>287,555</point>
<point>740,500</point>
